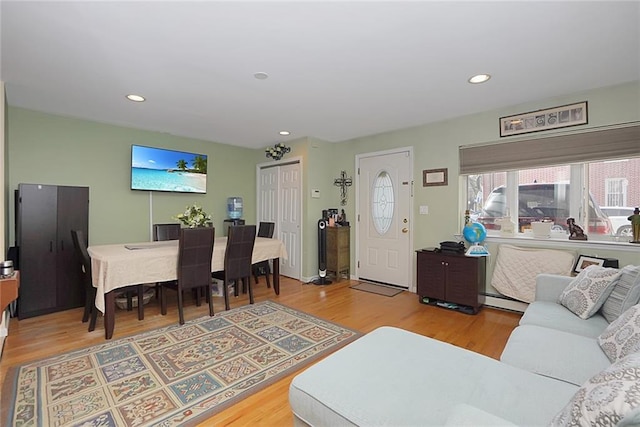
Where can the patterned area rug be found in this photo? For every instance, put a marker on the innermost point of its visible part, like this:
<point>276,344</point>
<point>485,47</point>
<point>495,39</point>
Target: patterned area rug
<point>177,375</point>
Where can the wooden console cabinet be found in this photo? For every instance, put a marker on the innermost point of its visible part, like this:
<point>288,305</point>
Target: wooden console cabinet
<point>450,278</point>
<point>338,251</point>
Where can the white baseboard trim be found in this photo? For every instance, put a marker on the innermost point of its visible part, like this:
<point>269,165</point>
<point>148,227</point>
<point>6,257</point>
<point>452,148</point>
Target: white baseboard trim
<point>507,304</point>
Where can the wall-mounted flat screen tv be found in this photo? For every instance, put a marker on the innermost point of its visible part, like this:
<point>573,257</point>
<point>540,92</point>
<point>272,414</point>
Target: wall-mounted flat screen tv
<point>158,169</point>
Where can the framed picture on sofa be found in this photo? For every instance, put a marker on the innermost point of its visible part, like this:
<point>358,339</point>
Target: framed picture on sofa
<point>585,261</point>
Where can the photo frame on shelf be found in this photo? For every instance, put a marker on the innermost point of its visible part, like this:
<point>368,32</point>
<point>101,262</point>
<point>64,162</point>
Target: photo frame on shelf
<point>433,177</point>
<point>585,261</point>
<point>549,118</point>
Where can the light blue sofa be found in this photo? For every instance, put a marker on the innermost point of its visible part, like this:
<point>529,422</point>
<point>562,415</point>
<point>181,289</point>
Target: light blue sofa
<point>394,377</point>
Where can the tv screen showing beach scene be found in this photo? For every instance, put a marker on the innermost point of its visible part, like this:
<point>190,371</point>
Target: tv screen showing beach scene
<point>158,169</point>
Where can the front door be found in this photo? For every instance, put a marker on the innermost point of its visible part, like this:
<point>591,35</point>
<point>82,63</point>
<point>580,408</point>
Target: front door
<point>385,191</point>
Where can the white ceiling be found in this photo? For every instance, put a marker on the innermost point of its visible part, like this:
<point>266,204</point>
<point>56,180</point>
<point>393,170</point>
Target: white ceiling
<point>337,70</point>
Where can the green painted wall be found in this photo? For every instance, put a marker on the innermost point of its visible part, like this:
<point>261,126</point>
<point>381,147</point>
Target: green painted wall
<point>48,149</point>
<point>44,148</point>
<point>436,145</point>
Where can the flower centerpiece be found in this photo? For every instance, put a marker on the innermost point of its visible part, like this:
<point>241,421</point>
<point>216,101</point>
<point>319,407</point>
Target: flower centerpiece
<point>194,217</point>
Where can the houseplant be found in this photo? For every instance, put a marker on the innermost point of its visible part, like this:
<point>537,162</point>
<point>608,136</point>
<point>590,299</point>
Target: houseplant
<point>194,216</point>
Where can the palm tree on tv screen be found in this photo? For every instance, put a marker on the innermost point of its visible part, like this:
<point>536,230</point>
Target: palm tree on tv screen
<point>200,164</point>
<point>181,164</point>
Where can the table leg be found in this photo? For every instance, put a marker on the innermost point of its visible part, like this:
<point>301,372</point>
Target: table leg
<point>109,314</point>
<point>276,275</point>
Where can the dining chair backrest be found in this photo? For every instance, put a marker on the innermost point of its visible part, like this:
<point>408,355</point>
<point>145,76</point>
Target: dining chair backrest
<point>166,232</point>
<point>80,245</point>
<point>237,256</point>
<point>195,250</point>
<point>265,229</point>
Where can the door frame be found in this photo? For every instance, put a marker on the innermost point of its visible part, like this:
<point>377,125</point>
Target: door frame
<point>412,275</point>
<point>271,164</point>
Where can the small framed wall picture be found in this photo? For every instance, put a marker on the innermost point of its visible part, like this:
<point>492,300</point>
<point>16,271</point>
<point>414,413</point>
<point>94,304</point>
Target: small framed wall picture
<point>433,177</point>
<point>585,261</point>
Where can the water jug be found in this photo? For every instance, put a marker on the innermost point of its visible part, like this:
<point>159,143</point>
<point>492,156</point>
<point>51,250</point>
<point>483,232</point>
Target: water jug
<point>234,207</point>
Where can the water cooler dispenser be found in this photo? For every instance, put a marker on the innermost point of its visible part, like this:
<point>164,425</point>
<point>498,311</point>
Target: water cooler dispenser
<point>234,213</point>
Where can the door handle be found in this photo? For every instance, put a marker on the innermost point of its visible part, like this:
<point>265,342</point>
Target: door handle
<point>405,230</point>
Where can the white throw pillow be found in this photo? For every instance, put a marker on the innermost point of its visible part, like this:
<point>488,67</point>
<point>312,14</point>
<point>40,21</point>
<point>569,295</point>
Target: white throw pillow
<point>622,337</point>
<point>607,398</point>
<point>588,291</point>
<point>626,293</point>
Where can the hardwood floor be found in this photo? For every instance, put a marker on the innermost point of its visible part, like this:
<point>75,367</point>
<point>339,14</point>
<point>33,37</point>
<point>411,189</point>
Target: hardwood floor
<point>485,333</point>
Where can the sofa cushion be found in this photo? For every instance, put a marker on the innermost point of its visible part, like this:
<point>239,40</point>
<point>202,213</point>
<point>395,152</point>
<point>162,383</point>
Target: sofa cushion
<point>622,337</point>
<point>395,377</point>
<point>556,354</point>
<point>555,316</point>
<point>588,291</point>
<point>625,293</point>
<point>464,415</point>
<point>610,397</point>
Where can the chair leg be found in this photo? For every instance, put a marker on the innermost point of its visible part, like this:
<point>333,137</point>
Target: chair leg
<point>163,300</point>
<point>209,293</point>
<point>140,289</point>
<point>266,276</point>
<point>225,290</point>
<point>92,322</point>
<point>88,303</point>
<point>93,310</point>
<point>180,312</point>
<point>248,280</point>
<point>197,293</point>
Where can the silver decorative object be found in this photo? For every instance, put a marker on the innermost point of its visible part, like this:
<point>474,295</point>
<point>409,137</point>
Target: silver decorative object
<point>277,151</point>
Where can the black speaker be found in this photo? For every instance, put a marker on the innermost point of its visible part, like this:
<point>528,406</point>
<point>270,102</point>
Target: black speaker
<point>322,254</point>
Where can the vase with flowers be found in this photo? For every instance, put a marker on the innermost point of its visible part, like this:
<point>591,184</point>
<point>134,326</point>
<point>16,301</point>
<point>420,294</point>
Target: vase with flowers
<point>194,216</point>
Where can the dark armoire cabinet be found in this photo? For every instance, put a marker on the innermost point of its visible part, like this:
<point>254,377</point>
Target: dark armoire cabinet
<point>50,278</point>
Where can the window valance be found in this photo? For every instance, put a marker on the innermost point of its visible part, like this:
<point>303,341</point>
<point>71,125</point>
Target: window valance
<point>594,145</point>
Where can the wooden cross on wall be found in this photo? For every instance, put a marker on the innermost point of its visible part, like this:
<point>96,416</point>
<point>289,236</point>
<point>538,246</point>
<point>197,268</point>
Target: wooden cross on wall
<point>343,182</point>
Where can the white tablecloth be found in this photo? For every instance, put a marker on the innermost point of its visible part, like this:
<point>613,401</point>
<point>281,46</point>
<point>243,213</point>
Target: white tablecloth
<point>115,266</point>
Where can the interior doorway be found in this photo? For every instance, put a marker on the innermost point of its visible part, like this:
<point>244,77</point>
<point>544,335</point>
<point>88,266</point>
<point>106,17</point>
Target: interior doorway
<point>280,201</point>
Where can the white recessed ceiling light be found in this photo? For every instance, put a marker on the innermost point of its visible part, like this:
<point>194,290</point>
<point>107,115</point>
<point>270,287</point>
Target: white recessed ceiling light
<point>136,98</point>
<point>261,76</point>
<point>479,78</point>
<point>285,132</point>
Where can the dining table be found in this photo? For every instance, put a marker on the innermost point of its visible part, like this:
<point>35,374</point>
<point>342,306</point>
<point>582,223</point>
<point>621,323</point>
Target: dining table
<point>115,266</point>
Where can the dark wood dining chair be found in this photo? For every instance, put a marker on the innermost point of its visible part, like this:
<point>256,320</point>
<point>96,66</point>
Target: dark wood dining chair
<point>163,232</point>
<point>90,310</point>
<point>262,268</point>
<point>195,250</point>
<point>237,260</point>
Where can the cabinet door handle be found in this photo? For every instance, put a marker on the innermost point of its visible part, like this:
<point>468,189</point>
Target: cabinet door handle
<point>405,230</point>
<point>50,245</point>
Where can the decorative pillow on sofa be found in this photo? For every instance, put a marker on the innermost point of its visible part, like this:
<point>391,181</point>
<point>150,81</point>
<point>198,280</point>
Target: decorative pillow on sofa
<point>607,398</point>
<point>622,337</point>
<point>626,292</point>
<point>588,291</point>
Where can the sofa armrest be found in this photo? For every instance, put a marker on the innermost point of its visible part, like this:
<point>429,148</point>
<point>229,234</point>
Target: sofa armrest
<point>550,286</point>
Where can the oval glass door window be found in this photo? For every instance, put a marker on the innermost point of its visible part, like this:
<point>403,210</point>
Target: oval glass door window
<point>382,200</point>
